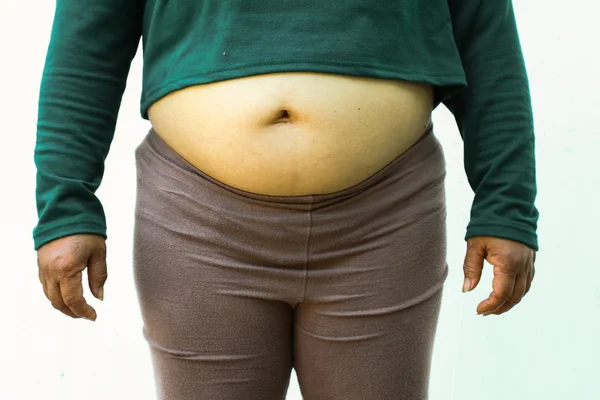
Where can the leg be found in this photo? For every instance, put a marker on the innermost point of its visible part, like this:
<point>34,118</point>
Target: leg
<point>205,342</point>
<point>376,270</point>
<point>384,355</point>
<point>213,309</point>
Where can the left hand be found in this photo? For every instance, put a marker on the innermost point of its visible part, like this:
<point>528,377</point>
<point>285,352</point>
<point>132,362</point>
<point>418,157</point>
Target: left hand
<point>514,269</point>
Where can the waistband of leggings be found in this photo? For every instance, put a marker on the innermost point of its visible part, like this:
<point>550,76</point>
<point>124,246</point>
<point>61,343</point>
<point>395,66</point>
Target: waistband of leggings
<point>425,147</point>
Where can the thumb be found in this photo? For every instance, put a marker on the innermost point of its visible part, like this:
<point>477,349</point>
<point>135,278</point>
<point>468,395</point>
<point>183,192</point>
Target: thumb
<point>473,264</point>
<point>97,273</point>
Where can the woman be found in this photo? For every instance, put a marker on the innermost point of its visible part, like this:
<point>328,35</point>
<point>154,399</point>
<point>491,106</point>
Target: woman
<point>290,202</point>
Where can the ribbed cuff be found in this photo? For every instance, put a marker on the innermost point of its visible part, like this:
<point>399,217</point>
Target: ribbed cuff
<point>43,236</point>
<point>517,234</point>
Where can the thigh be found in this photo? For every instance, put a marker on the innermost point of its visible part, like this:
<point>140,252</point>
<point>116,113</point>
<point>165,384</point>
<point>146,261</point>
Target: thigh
<point>369,354</point>
<point>207,341</point>
<point>367,327</point>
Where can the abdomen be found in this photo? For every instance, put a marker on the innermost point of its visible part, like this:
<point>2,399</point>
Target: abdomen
<point>293,133</point>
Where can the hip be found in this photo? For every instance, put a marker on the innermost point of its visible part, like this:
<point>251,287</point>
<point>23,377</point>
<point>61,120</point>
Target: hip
<point>393,222</point>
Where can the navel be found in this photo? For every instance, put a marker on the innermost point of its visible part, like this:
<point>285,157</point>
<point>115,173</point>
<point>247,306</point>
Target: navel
<point>282,116</point>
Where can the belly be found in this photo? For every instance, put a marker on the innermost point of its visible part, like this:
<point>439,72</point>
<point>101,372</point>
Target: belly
<point>290,134</point>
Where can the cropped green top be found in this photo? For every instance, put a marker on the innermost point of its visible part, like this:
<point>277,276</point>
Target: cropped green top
<point>469,50</point>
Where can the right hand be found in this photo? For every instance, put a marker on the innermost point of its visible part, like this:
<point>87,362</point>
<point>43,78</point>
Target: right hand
<point>61,263</point>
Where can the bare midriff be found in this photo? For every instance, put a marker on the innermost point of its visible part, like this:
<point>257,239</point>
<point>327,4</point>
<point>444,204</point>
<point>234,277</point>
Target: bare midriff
<point>291,134</point>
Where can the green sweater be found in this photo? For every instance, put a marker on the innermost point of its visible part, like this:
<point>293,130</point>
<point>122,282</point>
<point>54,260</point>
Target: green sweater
<point>468,49</point>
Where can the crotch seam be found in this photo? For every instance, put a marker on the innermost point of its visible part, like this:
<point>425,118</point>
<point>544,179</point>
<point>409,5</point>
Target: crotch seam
<point>307,260</point>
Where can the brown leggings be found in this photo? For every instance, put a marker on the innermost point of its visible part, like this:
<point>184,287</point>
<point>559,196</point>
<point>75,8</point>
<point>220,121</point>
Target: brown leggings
<point>237,288</point>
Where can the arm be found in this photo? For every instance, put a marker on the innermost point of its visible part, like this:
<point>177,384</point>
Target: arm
<point>89,56</point>
<point>88,60</point>
<point>495,119</point>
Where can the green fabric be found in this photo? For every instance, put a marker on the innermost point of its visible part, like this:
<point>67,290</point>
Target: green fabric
<point>468,49</point>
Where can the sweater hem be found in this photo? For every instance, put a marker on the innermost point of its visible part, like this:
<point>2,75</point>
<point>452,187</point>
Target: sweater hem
<point>347,68</point>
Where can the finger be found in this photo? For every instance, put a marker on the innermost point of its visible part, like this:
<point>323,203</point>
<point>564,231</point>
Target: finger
<point>44,284</point>
<point>42,279</point>
<point>502,289</point>
<point>517,296</point>
<point>472,266</point>
<point>55,297</point>
<point>529,280</point>
<point>72,294</point>
<point>97,274</point>
<point>530,274</point>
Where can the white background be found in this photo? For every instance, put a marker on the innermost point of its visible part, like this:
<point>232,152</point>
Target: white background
<point>546,348</point>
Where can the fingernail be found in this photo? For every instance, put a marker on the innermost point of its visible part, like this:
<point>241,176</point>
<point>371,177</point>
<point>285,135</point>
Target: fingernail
<point>466,285</point>
<point>101,294</point>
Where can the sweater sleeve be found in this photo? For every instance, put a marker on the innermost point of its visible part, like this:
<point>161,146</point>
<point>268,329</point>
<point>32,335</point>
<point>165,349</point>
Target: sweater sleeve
<point>494,116</point>
<point>89,55</point>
